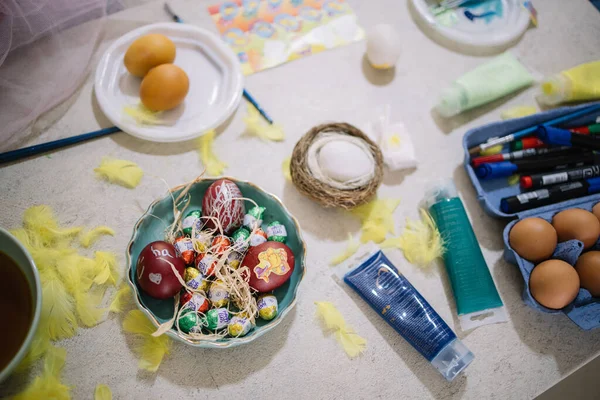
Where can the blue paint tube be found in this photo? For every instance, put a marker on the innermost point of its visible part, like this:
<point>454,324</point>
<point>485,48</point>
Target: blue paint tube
<point>392,296</point>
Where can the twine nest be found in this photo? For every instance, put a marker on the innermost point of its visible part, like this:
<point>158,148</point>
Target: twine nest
<point>322,192</point>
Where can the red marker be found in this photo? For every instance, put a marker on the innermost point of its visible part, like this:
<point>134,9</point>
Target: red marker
<point>527,143</point>
<point>587,130</point>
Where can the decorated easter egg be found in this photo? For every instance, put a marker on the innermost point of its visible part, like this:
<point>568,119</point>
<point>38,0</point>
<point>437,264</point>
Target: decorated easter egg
<point>222,201</point>
<point>270,265</point>
<point>154,272</point>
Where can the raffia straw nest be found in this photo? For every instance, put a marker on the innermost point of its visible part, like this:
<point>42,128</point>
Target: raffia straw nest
<point>323,193</point>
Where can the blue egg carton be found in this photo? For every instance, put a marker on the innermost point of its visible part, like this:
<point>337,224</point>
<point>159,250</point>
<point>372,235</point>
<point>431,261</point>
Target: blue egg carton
<point>585,309</point>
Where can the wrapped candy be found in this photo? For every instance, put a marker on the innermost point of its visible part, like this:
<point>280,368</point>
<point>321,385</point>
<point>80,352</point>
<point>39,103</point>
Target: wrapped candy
<point>189,322</point>
<point>257,237</point>
<point>234,259</point>
<point>217,318</point>
<point>267,306</point>
<point>197,281</point>
<point>185,249</point>
<point>220,244</point>
<point>154,272</point>
<point>191,219</point>
<point>239,326</point>
<point>240,239</point>
<point>218,294</point>
<point>206,263</point>
<point>197,303</point>
<point>253,219</point>
<point>276,232</point>
<point>202,241</point>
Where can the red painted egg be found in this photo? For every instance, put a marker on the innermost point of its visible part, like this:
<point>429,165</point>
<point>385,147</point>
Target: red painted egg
<point>154,273</point>
<point>219,202</point>
<point>271,264</point>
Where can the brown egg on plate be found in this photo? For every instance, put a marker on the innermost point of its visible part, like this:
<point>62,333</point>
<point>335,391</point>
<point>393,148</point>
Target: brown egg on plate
<point>579,224</point>
<point>554,284</point>
<point>147,52</point>
<point>534,239</point>
<point>164,87</point>
<point>596,210</point>
<point>588,268</point>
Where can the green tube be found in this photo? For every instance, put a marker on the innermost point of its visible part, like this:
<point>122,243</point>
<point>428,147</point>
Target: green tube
<point>477,300</point>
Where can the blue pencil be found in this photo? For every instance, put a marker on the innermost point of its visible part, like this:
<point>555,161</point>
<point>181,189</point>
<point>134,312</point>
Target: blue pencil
<point>246,94</point>
<point>56,144</point>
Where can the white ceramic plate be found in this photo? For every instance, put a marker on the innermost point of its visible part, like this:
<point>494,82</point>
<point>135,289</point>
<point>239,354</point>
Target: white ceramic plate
<point>216,84</point>
<point>509,22</point>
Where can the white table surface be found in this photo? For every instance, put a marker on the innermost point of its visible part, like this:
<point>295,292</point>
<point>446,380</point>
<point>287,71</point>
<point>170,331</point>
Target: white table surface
<point>514,360</point>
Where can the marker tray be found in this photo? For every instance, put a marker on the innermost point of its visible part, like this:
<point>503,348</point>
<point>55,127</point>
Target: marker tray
<point>584,310</point>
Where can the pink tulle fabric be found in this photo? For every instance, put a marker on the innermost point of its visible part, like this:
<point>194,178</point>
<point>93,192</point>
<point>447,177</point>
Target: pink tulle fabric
<point>45,51</point>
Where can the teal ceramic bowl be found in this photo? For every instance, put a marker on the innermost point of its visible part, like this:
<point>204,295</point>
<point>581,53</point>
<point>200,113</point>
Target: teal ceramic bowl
<point>10,246</point>
<point>152,227</point>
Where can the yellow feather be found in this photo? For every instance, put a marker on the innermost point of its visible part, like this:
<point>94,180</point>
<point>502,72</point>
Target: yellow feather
<point>102,392</point>
<point>106,268</point>
<point>39,346</point>
<point>421,241</point>
<point>518,112</point>
<point>121,298</point>
<point>122,172</point>
<point>152,349</point>
<point>330,315</point>
<point>351,248</point>
<point>352,343</point>
<point>57,307</point>
<point>48,385</point>
<point>257,126</point>
<point>377,219</point>
<point>333,320</point>
<point>213,165</point>
<point>142,115</point>
<point>86,304</point>
<point>89,237</point>
<point>285,168</point>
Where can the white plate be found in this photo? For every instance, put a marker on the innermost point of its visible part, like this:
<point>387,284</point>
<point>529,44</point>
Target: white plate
<point>497,31</point>
<point>216,84</point>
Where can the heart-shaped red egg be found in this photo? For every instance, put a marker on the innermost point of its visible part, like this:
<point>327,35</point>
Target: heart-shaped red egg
<point>154,273</point>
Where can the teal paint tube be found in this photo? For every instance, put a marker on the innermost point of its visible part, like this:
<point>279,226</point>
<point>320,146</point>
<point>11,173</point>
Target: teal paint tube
<point>477,300</point>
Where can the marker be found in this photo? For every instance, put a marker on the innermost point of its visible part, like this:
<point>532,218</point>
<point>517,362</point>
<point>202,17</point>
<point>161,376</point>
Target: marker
<point>564,137</point>
<point>540,180</point>
<point>528,131</point>
<point>527,143</point>
<point>519,155</point>
<point>551,195</point>
<point>507,168</point>
<point>587,130</point>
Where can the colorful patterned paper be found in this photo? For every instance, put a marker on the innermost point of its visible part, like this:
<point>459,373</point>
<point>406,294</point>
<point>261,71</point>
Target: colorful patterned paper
<point>267,33</point>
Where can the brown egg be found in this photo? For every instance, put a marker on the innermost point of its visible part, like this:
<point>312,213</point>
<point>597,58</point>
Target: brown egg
<point>588,268</point>
<point>596,210</point>
<point>577,224</point>
<point>554,284</point>
<point>147,52</point>
<point>534,239</point>
<point>164,87</point>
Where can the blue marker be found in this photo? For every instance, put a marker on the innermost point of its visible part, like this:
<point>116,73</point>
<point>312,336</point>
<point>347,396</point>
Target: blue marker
<point>564,137</point>
<point>541,164</point>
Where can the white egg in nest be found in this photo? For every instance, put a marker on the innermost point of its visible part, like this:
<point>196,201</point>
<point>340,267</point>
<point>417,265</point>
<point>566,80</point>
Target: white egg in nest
<point>383,46</point>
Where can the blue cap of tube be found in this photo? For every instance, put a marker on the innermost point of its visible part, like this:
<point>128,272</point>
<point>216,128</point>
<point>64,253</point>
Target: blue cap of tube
<point>495,170</point>
<point>555,136</point>
<point>594,185</point>
<point>504,206</point>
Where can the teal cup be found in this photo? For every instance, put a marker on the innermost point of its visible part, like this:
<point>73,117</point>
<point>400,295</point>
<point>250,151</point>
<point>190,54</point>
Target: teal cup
<point>10,246</point>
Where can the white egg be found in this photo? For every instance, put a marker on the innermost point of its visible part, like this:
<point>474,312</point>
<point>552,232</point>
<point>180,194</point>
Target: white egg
<point>383,46</point>
<point>344,161</point>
